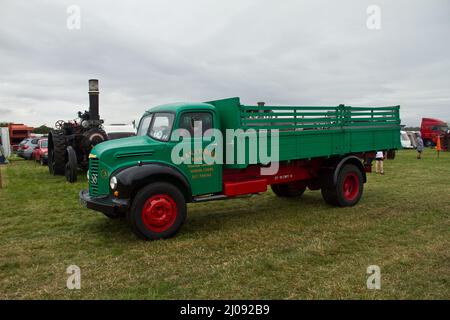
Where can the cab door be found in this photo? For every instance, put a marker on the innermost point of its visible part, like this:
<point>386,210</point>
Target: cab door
<point>205,178</point>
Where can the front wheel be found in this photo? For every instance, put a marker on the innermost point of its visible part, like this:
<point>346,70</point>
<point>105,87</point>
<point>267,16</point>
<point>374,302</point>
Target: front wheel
<point>70,169</point>
<point>158,211</point>
<point>348,188</point>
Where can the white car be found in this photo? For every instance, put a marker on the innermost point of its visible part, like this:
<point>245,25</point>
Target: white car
<point>406,142</point>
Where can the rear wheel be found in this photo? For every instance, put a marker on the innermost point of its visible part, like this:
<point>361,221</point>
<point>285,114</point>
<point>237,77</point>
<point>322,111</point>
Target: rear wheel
<point>348,188</point>
<point>158,211</point>
<point>289,190</point>
<point>390,154</point>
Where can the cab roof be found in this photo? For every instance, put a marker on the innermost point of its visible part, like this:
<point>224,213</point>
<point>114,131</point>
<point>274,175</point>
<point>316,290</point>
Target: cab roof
<point>181,106</point>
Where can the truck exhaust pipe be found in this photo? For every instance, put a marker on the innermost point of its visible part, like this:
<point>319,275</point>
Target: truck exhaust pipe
<point>93,100</point>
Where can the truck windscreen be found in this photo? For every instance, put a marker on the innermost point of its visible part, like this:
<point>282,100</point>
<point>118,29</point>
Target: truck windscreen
<point>161,126</point>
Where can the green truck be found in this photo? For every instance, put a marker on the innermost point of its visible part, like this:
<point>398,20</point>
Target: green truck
<point>222,149</point>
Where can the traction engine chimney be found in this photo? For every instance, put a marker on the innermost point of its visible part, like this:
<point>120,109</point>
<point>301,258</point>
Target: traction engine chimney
<point>93,100</point>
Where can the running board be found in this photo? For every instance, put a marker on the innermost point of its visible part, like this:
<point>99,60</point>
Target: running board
<point>220,197</point>
<point>209,198</point>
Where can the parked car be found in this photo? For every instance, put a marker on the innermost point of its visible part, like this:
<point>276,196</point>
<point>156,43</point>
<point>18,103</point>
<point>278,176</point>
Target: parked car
<point>26,148</point>
<point>406,142</point>
<point>40,153</point>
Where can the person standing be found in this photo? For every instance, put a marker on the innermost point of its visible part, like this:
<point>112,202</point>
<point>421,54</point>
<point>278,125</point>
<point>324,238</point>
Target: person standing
<point>419,146</point>
<point>379,158</point>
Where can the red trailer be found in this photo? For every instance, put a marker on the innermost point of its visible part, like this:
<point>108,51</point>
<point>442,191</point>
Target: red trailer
<point>18,132</point>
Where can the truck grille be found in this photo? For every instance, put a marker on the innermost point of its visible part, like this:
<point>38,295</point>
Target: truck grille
<point>93,176</point>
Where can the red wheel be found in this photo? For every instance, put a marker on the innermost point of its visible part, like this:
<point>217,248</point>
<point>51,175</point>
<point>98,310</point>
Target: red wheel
<point>348,189</point>
<point>350,186</point>
<point>159,212</point>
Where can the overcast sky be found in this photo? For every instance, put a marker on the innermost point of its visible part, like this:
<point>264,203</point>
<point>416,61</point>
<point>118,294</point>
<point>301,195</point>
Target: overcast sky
<point>147,53</point>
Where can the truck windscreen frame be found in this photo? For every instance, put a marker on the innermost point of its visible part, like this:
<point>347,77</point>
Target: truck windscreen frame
<point>144,125</point>
<point>157,125</point>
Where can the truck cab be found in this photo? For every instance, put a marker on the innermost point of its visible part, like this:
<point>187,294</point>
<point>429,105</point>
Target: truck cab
<point>430,129</point>
<point>121,170</point>
<point>150,177</point>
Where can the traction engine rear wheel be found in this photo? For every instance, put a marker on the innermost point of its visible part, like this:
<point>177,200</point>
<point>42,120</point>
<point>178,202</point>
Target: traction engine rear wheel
<point>56,153</point>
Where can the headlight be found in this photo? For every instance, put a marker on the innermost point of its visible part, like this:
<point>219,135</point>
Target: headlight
<point>113,183</point>
<point>87,175</point>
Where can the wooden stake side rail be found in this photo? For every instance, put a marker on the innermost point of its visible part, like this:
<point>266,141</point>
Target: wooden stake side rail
<point>319,118</point>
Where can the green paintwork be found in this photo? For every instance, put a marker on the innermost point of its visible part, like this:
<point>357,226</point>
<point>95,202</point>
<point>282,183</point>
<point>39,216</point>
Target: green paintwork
<point>304,132</point>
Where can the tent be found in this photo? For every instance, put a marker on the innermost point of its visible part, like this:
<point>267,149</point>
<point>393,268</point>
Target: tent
<point>4,141</point>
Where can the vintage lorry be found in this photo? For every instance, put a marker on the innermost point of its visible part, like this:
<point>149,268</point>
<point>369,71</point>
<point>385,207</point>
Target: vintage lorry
<point>327,148</point>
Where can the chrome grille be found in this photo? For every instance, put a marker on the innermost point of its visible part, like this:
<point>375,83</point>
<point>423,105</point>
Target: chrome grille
<point>93,176</point>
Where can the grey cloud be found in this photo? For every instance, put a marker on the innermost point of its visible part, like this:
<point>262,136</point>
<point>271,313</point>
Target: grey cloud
<point>290,52</point>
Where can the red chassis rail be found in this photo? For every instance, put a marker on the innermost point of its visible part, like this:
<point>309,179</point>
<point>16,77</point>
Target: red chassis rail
<point>249,180</point>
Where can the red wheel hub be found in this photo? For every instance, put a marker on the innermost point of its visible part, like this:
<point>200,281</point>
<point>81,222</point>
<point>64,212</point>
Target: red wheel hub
<point>350,186</point>
<point>159,212</point>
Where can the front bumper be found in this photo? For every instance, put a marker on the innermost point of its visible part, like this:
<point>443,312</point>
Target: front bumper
<point>108,205</point>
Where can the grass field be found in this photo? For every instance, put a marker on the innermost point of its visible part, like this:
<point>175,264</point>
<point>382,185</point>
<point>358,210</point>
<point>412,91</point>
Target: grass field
<point>255,248</point>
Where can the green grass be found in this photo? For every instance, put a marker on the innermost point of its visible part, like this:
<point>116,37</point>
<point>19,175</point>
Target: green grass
<point>255,248</point>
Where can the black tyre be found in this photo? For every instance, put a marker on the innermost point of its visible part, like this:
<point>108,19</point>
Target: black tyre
<point>56,153</point>
<point>289,190</point>
<point>71,167</point>
<point>158,211</point>
<point>41,161</point>
<point>391,154</point>
<point>348,189</point>
<point>330,196</point>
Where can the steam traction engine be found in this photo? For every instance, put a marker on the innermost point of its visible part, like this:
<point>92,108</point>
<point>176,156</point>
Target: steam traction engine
<point>70,143</point>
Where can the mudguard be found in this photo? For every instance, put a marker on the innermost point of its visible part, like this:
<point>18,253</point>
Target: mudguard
<point>328,173</point>
<point>353,160</point>
<point>131,179</point>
